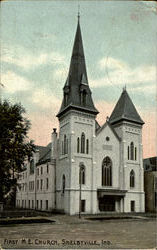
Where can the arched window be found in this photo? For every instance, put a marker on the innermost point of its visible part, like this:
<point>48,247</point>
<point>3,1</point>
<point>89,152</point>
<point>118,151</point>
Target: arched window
<point>135,153</point>
<point>107,172</point>
<point>128,152</point>
<point>132,150</point>
<point>87,146</point>
<point>132,179</point>
<point>83,143</point>
<point>82,174</point>
<point>63,184</point>
<point>64,144</point>
<point>78,145</point>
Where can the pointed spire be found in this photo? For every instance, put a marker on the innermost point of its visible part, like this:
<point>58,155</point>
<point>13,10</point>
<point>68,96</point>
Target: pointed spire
<point>125,110</point>
<point>76,90</point>
<point>78,51</point>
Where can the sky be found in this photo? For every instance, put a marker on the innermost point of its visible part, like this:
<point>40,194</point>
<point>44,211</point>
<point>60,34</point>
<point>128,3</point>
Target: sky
<point>119,39</point>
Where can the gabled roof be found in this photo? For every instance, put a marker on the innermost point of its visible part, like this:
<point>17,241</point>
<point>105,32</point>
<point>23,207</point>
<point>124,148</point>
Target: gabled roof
<point>112,129</point>
<point>42,150</point>
<point>46,157</point>
<point>77,81</point>
<point>125,110</point>
<point>97,126</point>
<point>44,153</point>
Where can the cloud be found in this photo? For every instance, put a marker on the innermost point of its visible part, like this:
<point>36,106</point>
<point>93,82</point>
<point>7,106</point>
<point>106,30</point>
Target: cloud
<point>44,99</point>
<point>112,64</point>
<point>60,74</point>
<point>13,82</point>
<point>41,35</point>
<point>147,89</point>
<point>25,59</point>
<point>117,72</point>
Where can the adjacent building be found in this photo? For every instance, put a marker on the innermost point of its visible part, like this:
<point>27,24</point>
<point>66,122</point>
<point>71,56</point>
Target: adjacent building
<point>87,167</point>
<point>150,184</point>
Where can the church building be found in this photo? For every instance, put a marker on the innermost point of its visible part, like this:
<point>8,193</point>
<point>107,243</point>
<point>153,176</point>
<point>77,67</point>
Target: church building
<point>87,168</point>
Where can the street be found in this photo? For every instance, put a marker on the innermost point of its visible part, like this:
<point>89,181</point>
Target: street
<point>72,233</point>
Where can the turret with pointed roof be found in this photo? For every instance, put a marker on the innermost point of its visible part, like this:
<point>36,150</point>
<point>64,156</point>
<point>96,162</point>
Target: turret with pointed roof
<point>125,111</point>
<point>77,94</point>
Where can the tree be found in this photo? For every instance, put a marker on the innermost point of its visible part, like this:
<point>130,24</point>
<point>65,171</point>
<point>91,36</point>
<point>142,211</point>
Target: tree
<point>15,147</point>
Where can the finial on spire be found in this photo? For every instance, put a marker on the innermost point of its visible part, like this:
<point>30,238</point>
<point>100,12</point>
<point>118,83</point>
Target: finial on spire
<point>124,88</point>
<point>78,12</point>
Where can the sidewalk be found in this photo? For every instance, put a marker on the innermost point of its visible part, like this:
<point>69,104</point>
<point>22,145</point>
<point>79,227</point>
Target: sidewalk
<point>67,219</point>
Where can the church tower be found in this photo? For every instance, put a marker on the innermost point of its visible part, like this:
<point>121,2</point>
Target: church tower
<point>128,125</point>
<point>77,132</point>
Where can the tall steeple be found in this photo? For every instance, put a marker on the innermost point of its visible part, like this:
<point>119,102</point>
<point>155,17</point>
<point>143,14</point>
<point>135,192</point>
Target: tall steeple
<point>77,94</point>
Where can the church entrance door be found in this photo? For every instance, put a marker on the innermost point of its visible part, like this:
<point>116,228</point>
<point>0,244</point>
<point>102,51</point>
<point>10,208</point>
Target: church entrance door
<point>107,203</point>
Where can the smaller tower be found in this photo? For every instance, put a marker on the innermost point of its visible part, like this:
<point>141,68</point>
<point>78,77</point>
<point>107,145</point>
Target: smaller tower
<point>128,124</point>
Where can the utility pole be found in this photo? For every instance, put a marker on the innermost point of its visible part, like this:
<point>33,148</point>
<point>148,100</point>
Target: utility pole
<point>80,180</point>
<point>35,188</point>
<point>80,196</point>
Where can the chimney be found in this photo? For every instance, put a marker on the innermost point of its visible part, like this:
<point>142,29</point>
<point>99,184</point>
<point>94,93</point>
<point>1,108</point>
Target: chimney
<point>54,130</point>
<point>36,156</point>
<point>54,144</point>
